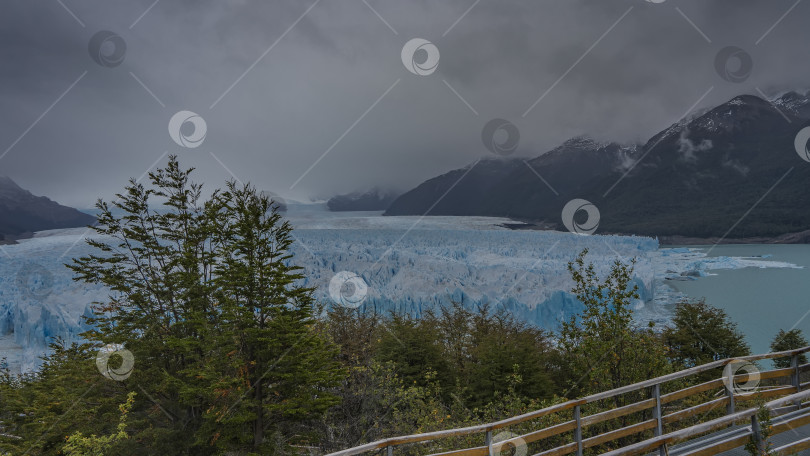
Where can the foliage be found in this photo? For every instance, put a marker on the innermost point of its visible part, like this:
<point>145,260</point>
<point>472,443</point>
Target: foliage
<point>205,296</point>
<point>275,364</point>
<point>414,347</point>
<point>701,333</point>
<point>491,365</point>
<point>473,353</point>
<point>788,340</point>
<point>763,446</point>
<point>502,350</point>
<point>230,359</point>
<point>603,346</point>
<point>65,396</point>
<point>92,445</point>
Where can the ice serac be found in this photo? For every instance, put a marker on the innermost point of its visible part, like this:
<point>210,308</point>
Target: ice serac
<point>38,299</point>
<point>409,267</point>
<point>523,271</point>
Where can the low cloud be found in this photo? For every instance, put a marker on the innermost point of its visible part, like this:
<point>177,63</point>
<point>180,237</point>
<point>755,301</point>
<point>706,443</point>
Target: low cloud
<point>734,165</point>
<point>688,149</point>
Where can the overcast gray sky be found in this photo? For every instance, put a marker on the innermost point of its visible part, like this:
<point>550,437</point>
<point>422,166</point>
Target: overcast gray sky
<point>279,83</point>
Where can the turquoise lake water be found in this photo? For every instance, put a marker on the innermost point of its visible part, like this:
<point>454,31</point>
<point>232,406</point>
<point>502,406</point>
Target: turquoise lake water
<point>761,301</point>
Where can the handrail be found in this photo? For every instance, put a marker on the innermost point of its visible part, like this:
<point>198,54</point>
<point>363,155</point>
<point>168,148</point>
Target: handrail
<point>702,428</point>
<point>488,427</point>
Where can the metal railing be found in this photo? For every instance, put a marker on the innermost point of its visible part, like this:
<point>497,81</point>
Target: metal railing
<point>657,412</point>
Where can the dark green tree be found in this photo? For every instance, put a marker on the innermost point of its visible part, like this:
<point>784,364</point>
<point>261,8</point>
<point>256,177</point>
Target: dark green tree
<point>414,347</point>
<point>701,333</point>
<point>788,340</point>
<point>503,348</point>
<point>472,364</point>
<point>158,265</point>
<point>66,395</point>
<point>204,294</point>
<point>274,366</point>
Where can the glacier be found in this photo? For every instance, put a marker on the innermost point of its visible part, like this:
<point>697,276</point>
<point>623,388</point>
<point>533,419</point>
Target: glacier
<point>409,264</point>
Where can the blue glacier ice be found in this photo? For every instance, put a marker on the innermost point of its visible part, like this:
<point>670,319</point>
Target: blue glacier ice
<point>410,265</point>
<point>523,271</point>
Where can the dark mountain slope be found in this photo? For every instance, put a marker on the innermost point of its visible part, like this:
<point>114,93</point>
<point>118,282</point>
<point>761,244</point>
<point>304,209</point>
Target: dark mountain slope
<point>449,194</point>
<point>372,200</point>
<point>700,178</point>
<point>21,212</point>
<point>696,178</point>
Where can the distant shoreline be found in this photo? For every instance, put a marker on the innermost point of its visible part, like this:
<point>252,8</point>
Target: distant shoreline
<point>801,237</point>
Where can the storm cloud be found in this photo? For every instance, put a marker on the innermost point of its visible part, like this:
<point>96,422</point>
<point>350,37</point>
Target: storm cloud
<point>311,98</point>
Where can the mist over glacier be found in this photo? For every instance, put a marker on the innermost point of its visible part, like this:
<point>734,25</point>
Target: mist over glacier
<point>410,264</point>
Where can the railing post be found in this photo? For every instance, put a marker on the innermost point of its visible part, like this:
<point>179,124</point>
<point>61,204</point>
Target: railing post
<point>578,430</point>
<point>794,364</point>
<point>390,450</point>
<point>795,377</point>
<point>659,425</point>
<point>488,442</point>
<point>730,394</point>
<point>756,433</point>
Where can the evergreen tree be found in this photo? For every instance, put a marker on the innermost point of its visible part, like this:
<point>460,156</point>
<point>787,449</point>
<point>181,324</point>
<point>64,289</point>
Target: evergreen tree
<point>67,395</point>
<point>158,265</point>
<point>204,295</point>
<point>788,340</point>
<point>504,348</point>
<point>701,334</point>
<point>276,366</point>
<point>413,346</point>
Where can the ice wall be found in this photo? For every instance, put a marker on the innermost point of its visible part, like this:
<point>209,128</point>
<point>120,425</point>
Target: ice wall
<point>439,262</point>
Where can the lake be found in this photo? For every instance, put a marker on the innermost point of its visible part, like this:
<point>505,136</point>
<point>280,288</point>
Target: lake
<point>761,301</point>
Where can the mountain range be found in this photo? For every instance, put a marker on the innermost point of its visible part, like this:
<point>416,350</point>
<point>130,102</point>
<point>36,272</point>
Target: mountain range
<point>729,172</point>
<point>372,200</point>
<point>22,213</point>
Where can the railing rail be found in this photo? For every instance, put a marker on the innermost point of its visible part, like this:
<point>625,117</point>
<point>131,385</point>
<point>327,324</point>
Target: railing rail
<point>703,428</point>
<point>579,422</point>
